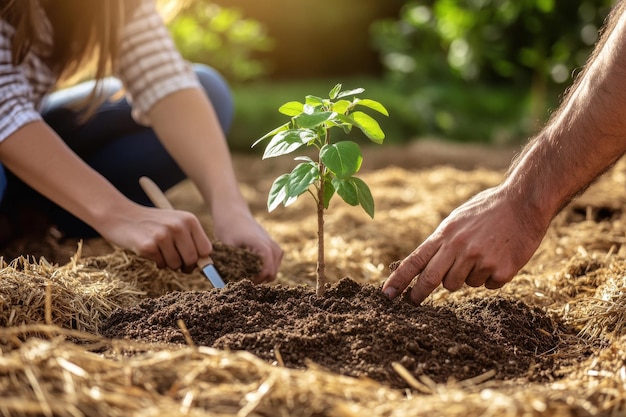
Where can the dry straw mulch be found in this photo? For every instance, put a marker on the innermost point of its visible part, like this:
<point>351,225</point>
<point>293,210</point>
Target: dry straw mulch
<point>52,362</point>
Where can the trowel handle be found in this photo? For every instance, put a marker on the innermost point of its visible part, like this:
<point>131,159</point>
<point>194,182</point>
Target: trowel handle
<point>155,194</point>
<point>160,201</point>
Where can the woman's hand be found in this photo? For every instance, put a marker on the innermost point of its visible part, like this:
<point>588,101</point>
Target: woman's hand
<point>176,238</point>
<point>186,123</point>
<point>171,238</point>
<point>235,226</point>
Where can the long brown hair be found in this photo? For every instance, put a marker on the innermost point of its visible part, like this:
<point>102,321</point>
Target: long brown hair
<point>86,35</point>
<point>83,32</point>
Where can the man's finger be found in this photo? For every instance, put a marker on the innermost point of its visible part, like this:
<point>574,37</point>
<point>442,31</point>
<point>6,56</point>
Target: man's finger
<point>477,277</point>
<point>431,276</point>
<point>408,269</point>
<point>456,276</point>
<point>491,284</point>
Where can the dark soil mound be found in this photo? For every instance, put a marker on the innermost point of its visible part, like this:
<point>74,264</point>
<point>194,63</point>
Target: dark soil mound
<point>352,330</point>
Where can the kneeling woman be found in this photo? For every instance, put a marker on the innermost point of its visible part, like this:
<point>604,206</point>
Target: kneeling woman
<point>76,154</point>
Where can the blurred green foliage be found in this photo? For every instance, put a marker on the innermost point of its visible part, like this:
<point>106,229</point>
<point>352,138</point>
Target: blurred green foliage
<point>222,38</point>
<point>490,40</point>
<point>488,45</point>
<point>469,70</point>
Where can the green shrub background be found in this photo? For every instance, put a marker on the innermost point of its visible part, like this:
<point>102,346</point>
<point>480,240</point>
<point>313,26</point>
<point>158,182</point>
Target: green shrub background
<point>485,71</point>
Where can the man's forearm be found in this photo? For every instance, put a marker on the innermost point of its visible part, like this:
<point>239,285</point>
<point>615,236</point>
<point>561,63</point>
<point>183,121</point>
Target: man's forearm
<point>585,136</point>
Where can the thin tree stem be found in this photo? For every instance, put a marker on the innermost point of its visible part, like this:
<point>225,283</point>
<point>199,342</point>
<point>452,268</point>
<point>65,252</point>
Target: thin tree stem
<point>321,264</point>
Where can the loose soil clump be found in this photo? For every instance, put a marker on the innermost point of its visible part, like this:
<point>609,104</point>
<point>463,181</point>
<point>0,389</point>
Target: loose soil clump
<point>352,330</point>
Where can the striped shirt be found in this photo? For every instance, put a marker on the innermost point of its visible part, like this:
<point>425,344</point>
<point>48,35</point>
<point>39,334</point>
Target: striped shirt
<point>150,67</point>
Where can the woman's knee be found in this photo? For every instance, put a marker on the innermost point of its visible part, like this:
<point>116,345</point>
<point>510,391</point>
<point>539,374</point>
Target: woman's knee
<point>77,94</point>
<point>218,91</point>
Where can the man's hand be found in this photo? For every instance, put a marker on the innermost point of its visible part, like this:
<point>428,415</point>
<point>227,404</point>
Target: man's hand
<point>489,238</point>
<point>483,242</point>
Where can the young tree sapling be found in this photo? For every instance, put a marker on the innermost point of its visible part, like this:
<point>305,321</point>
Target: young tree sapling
<point>337,163</point>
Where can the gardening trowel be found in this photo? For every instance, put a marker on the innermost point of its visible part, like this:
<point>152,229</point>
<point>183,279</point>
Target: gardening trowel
<point>160,201</point>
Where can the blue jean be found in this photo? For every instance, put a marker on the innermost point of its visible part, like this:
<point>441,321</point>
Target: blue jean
<point>113,144</point>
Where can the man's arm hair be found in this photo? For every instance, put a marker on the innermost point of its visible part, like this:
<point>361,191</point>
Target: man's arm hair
<point>586,135</point>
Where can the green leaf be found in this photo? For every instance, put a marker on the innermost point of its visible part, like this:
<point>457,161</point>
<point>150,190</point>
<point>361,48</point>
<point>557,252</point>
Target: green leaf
<point>354,191</point>
<point>313,101</point>
<point>369,126</point>
<point>288,187</point>
<point>329,192</point>
<point>309,121</point>
<point>372,104</point>
<point>350,92</point>
<point>342,158</point>
<point>364,196</point>
<point>292,108</point>
<point>333,93</point>
<point>288,141</point>
<point>272,133</point>
<point>278,192</point>
<point>301,178</point>
<point>341,106</point>
<point>346,190</point>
